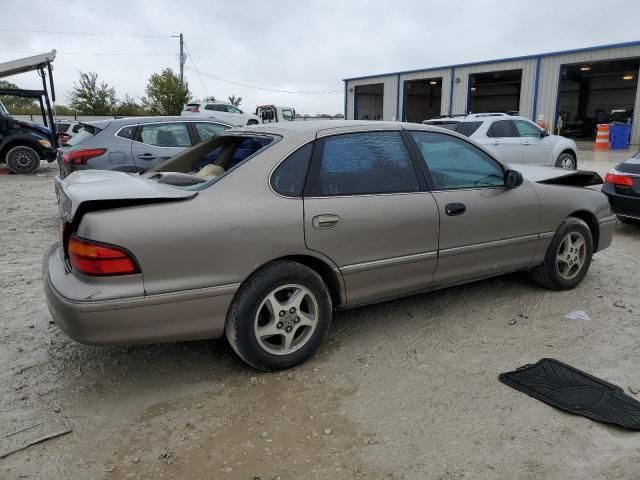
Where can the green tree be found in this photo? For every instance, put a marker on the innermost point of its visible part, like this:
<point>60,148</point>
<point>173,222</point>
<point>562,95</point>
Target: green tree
<point>164,94</point>
<point>64,110</point>
<point>92,98</point>
<point>235,101</point>
<point>17,105</point>
<point>129,107</point>
<point>210,98</point>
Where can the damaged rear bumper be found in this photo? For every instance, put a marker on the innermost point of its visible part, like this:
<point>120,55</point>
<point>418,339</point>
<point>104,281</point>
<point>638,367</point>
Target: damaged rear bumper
<point>177,316</point>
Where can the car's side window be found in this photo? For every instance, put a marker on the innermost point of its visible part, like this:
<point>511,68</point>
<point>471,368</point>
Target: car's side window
<point>287,114</point>
<point>501,128</point>
<point>526,129</point>
<point>165,135</point>
<point>288,179</point>
<point>231,109</point>
<point>209,130</point>
<point>127,132</point>
<point>364,163</point>
<point>209,106</point>
<point>76,128</point>
<point>454,163</point>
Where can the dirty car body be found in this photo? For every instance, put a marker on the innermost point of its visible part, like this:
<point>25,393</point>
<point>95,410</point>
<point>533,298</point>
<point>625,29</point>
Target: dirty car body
<point>300,219</point>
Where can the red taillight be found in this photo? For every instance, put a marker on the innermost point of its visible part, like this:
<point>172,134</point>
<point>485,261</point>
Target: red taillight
<point>195,110</point>
<point>80,157</point>
<point>97,259</point>
<point>618,179</point>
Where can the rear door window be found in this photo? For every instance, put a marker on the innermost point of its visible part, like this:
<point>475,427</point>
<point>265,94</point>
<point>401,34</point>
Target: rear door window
<point>363,163</point>
<point>165,135</point>
<point>207,130</point>
<point>288,179</point>
<point>501,129</point>
<point>468,128</point>
<point>127,132</point>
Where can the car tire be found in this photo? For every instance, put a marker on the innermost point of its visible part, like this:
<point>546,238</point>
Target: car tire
<point>279,316</point>
<point>568,257</point>
<point>22,159</point>
<point>252,122</point>
<point>567,161</point>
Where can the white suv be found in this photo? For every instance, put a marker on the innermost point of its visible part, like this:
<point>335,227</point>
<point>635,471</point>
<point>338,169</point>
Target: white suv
<point>513,139</point>
<point>221,111</point>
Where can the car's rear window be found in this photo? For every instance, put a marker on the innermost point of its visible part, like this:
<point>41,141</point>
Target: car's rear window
<point>467,128</point>
<point>191,106</point>
<point>630,166</point>
<point>83,135</point>
<point>444,124</point>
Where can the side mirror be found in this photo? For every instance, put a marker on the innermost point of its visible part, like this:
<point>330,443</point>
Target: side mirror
<point>544,133</point>
<point>512,179</point>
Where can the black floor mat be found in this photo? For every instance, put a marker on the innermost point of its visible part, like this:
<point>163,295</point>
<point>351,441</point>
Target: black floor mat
<point>569,389</point>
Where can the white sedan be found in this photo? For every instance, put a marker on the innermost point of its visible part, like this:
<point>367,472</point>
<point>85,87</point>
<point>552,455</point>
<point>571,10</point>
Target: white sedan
<point>514,139</point>
<point>220,111</point>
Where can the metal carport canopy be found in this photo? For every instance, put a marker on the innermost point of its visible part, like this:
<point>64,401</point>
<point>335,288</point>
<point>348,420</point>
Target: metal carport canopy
<point>22,65</point>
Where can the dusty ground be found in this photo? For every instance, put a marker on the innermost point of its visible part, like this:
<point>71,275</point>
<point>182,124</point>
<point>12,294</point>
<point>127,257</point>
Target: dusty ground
<point>405,389</point>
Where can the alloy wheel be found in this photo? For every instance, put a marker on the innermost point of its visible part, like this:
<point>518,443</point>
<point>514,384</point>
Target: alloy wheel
<point>571,255</point>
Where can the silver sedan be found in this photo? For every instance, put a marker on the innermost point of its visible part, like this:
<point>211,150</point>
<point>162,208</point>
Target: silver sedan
<point>261,233</point>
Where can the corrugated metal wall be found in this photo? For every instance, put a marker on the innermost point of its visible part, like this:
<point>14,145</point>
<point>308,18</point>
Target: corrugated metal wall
<point>445,74</point>
<point>547,91</point>
<point>550,77</point>
<point>390,97</point>
<point>461,88</point>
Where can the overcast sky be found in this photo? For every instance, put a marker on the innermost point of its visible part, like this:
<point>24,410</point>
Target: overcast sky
<point>296,45</point>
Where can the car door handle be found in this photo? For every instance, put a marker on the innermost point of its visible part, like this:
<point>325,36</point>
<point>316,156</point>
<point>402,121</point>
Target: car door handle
<point>147,156</point>
<point>526,143</point>
<point>325,221</point>
<point>453,209</point>
<point>495,142</point>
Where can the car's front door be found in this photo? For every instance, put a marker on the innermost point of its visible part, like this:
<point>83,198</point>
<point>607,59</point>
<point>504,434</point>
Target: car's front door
<point>156,142</point>
<point>536,149</point>
<point>366,208</point>
<point>502,138</point>
<point>486,228</point>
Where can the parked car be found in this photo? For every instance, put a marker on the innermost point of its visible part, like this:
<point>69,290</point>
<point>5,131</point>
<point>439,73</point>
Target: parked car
<point>622,186</point>
<point>133,144</point>
<point>220,111</point>
<point>295,220</point>
<point>274,114</point>
<point>23,145</point>
<point>514,139</point>
<point>67,129</point>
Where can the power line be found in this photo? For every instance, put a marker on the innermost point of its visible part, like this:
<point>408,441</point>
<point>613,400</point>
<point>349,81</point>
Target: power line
<point>92,34</point>
<point>195,69</point>
<point>300,92</point>
<point>96,53</point>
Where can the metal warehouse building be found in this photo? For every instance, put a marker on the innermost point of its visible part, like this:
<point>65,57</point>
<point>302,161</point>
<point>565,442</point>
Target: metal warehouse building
<point>573,90</point>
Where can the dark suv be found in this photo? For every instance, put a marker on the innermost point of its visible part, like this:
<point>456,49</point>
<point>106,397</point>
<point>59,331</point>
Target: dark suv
<point>23,144</point>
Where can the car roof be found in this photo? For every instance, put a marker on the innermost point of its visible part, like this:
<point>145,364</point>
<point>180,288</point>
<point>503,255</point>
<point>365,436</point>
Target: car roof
<point>478,117</point>
<point>118,122</point>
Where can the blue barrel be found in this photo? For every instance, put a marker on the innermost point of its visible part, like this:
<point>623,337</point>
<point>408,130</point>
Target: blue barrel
<point>619,135</point>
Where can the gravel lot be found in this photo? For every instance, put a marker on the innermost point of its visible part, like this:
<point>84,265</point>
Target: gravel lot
<point>404,389</point>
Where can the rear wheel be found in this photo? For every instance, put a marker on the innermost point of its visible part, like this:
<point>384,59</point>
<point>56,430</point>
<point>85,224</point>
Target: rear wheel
<point>280,316</point>
<point>566,161</point>
<point>568,257</point>
<point>22,159</point>
<point>252,122</point>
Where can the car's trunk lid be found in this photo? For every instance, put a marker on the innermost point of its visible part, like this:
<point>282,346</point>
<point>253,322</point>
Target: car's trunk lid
<point>98,189</point>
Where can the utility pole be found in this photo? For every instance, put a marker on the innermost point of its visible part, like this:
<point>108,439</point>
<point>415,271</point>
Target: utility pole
<point>181,60</point>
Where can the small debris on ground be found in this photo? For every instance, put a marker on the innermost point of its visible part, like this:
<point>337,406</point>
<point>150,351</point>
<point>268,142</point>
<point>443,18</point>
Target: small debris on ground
<point>328,431</point>
<point>619,304</point>
<point>577,315</point>
<point>634,389</point>
<point>167,457</point>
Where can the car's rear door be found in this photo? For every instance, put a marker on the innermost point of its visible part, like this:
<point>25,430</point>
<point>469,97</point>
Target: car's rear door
<point>485,227</point>
<point>536,149</point>
<point>503,139</point>
<point>156,142</point>
<point>367,208</point>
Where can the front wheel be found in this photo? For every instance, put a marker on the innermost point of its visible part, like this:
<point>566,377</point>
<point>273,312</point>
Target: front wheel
<point>252,122</point>
<point>22,159</point>
<point>568,257</point>
<point>566,161</point>
<point>280,316</point>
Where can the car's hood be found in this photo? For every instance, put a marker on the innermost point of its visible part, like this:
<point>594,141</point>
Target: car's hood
<point>558,176</point>
<point>97,189</point>
<point>34,127</point>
